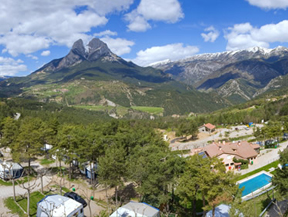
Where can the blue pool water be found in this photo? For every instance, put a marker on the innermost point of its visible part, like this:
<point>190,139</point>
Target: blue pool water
<point>255,183</point>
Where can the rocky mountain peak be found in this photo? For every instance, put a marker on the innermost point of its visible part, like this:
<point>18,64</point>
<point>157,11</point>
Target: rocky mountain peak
<point>78,48</point>
<point>96,49</point>
<point>95,44</point>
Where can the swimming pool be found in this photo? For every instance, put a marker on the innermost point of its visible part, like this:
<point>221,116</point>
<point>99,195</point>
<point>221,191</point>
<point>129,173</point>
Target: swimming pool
<point>254,183</point>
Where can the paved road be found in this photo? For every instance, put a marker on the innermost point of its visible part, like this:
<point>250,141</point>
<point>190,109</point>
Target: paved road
<point>266,156</point>
<point>242,131</point>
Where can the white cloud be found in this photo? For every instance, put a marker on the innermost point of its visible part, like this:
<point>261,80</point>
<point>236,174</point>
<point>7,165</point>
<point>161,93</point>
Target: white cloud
<point>169,11</point>
<point>10,67</point>
<point>244,35</point>
<point>269,4</point>
<point>158,53</point>
<point>45,53</point>
<point>25,44</point>
<point>212,34</point>
<point>118,46</point>
<point>137,22</point>
<point>104,7</point>
<point>105,33</point>
<point>31,25</point>
<point>32,57</point>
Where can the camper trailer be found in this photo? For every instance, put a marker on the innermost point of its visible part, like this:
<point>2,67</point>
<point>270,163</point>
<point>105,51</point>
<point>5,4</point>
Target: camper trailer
<point>9,170</point>
<point>57,205</point>
<point>135,209</point>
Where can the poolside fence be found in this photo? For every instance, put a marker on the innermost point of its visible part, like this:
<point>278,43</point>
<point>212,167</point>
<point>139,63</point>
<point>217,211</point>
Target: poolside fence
<point>258,194</point>
<point>267,207</point>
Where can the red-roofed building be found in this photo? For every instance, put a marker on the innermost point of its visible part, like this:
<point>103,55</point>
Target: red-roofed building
<point>227,151</point>
<point>207,128</point>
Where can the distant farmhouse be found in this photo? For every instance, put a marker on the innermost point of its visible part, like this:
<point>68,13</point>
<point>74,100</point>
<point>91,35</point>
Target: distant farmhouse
<point>207,128</point>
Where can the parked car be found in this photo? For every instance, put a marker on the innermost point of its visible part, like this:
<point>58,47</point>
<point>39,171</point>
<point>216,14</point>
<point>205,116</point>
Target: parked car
<point>271,143</point>
<point>285,136</point>
<point>76,197</point>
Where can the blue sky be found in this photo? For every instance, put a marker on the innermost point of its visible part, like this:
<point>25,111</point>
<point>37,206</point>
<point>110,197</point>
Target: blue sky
<point>34,32</point>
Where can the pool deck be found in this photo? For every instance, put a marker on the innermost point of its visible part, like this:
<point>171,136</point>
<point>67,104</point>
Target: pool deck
<point>258,190</point>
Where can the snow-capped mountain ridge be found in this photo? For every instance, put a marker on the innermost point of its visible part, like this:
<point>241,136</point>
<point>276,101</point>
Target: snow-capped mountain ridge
<point>236,75</point>
<point>193,69</point>
<point>255,52</point>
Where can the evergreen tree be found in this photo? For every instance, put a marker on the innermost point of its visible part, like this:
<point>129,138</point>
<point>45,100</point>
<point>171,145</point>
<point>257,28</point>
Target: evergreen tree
<point>280,178</point>
<point>9,132</point>
<point>30,140</point>
<point>113,168</point>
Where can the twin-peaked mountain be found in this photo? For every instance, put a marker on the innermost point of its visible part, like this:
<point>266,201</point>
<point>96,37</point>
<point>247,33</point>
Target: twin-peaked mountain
<point>93,75</point>
<point>235,75</point>
<point>95,49</point>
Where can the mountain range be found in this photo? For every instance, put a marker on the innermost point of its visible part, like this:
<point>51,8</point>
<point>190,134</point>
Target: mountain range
<point>2,77</point>
<point>235,75</point>
<point>96,76</point>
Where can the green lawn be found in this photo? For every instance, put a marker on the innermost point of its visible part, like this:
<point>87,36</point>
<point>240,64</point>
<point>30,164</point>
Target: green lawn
<point>20,180</point>
<point>151,110</point>
<point>46,161</point>
<point>35,197</point>
<point>258,204</point>
<point>266,168</point>
<point>94,107</point>
<point>122,110</point>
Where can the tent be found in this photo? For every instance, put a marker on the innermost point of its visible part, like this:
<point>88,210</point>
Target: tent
<point>10,170</point>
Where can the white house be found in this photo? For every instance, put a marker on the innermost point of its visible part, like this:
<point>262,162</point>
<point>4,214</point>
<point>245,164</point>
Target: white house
<point>135,209</point>
<point>57,205</point>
